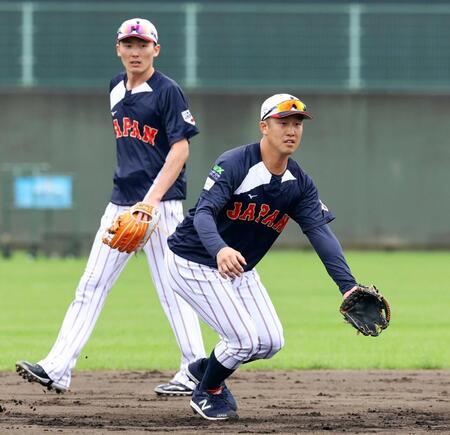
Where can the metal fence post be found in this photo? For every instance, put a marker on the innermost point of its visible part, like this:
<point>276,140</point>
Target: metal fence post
<point>191,45</point>
<point>354,58</point>
<point>27,44</point>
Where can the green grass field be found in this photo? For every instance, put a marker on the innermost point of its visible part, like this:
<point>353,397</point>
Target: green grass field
<point>133,333</point>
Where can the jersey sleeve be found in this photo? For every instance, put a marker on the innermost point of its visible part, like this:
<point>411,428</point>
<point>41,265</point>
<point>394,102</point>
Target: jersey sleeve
<point>219,186</point>
<point>178,120</point>
<point>308,210</point>
<point>221,182</point>
<point>330,252</point>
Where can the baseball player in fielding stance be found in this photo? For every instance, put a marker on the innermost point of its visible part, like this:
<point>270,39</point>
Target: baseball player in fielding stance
<point>247,200</point>
<point>152,125</point>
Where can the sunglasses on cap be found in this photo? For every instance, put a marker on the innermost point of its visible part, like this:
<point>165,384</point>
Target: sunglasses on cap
<point>286,106</point>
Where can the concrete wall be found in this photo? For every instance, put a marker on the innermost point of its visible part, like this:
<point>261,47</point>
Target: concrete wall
<point>381,162</point>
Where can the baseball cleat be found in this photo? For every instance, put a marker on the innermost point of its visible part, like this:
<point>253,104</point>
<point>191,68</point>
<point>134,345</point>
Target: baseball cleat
<point>35,373</point>
<point>173,388</point>
<point>212,406</point>
<point>195,372</point>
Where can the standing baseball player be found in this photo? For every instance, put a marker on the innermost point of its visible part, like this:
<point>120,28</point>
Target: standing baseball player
<point>247,200</point>
<point>152,125</point>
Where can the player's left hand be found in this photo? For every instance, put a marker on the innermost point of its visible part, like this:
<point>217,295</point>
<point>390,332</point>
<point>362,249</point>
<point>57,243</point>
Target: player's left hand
<point>230,262</point>
<point>366,309</point>
<point>131,230</point>
<point>144,215</point>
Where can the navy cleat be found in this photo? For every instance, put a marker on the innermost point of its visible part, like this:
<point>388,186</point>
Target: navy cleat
<point>195,372</point>
<point>212,406</point>
<point>174,388</point>
<point>35,373</point>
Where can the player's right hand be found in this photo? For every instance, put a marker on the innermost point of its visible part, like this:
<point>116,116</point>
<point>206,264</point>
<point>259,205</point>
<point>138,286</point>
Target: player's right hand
<point>230,262</point>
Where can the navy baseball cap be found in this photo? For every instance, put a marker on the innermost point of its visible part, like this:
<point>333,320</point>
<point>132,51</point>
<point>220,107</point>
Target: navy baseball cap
<point>137,28</point>
<point>282,105</point>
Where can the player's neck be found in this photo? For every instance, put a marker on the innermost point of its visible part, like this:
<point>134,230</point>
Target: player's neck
<point>136,79</point>
<point>274,161</point>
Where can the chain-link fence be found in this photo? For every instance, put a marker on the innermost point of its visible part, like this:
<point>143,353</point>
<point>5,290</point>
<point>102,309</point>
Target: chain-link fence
<point>229,46</point>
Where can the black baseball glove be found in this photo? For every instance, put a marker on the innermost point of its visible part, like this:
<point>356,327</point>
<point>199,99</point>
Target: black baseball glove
<point>367,310</point>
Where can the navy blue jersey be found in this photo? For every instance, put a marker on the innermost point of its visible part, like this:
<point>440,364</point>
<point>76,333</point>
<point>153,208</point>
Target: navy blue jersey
<point>251,206</point>
<point>147,121</point>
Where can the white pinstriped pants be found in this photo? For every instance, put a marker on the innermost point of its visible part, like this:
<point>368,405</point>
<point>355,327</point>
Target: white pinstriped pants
<point>239,310</point>
<point>103,268</point>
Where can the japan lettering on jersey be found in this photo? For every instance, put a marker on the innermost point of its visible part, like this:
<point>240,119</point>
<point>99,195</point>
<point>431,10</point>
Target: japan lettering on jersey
<point>147,121</point>
<point>251,205</point>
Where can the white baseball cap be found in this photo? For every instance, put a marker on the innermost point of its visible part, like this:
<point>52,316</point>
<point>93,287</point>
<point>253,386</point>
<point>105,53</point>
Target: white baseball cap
<point>138,28</point>
<point>281,105</point>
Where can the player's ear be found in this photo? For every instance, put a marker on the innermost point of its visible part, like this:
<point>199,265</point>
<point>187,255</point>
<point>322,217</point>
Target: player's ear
<point>264,126</point>
<point>117,50</point>
<point>156,50</point>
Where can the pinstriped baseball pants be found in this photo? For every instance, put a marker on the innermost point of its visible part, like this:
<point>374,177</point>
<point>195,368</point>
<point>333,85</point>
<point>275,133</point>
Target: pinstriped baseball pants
<point>239,310</point>
<point>103,268</point>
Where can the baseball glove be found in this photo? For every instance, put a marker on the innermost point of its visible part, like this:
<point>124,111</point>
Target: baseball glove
<point>367,310</point>
<point>132,228</point>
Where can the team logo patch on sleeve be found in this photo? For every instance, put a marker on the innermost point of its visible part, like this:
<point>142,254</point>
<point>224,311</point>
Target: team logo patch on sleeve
<point>209,183</point>
<point>216,172</point>
<point>187,116</point>
<point>213,176</point>
<point>324,207</point>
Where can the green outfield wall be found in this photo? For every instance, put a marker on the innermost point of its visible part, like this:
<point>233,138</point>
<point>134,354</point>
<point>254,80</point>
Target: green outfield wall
<point>381,162</point>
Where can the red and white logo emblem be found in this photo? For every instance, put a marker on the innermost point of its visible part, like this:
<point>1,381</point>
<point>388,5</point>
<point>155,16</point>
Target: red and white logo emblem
<point>187,116</point>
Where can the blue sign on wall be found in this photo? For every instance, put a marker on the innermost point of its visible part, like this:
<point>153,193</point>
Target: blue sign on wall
<point>43,192</point>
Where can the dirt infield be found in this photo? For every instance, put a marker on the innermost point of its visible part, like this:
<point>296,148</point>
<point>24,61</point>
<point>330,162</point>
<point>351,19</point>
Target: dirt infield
<point>409,402</point>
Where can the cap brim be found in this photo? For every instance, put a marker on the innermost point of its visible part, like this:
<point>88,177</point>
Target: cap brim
<point>145,38</point>
<point>291,113</point>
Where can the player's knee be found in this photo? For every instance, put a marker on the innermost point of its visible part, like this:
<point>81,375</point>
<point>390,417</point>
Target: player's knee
<point>277,345</point>
<point>248,344</point>
<point>90,288</point>
<point>271,344</point>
